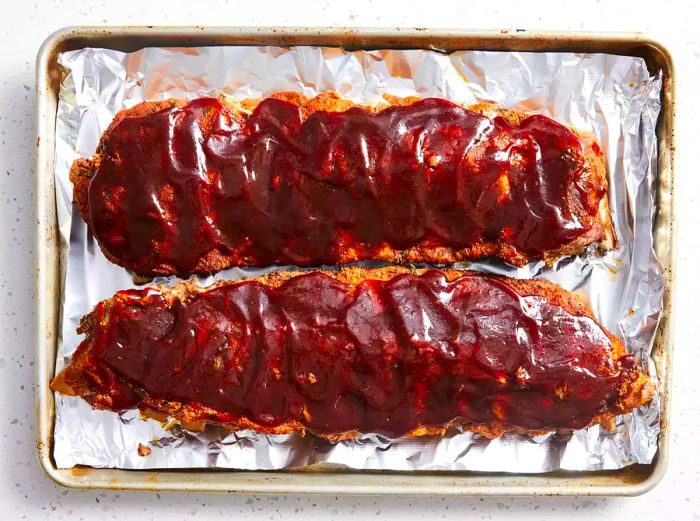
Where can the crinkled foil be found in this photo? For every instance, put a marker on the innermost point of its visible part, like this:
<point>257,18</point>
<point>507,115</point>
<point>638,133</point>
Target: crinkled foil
<point>612,96</point>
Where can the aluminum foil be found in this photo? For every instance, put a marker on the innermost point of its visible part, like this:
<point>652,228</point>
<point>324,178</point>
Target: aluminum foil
<point>612,96</point>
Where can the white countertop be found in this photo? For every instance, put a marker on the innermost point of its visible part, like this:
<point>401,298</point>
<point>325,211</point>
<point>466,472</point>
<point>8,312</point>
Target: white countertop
<point>24,491</point>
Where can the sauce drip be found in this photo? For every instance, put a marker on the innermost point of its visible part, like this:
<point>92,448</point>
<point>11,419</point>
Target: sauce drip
<point>382,356</point>
<point>274,188</point>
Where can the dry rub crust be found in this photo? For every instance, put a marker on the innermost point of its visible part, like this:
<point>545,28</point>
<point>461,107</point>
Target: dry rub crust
<point>602,233</point>
<point>637,388</point>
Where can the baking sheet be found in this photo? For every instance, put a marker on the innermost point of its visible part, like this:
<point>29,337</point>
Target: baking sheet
<point>611,96</point>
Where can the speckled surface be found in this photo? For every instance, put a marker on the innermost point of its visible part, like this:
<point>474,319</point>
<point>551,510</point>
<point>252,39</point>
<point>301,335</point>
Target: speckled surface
<point>26,494</point>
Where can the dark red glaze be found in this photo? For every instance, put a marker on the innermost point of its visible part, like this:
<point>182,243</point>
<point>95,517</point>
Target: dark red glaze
<point>271,188</point>
<point>382,357</point>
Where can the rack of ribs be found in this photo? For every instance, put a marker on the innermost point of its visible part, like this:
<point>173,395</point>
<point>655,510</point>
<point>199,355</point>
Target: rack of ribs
<point>179,187</point>
<point>395,351</point>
